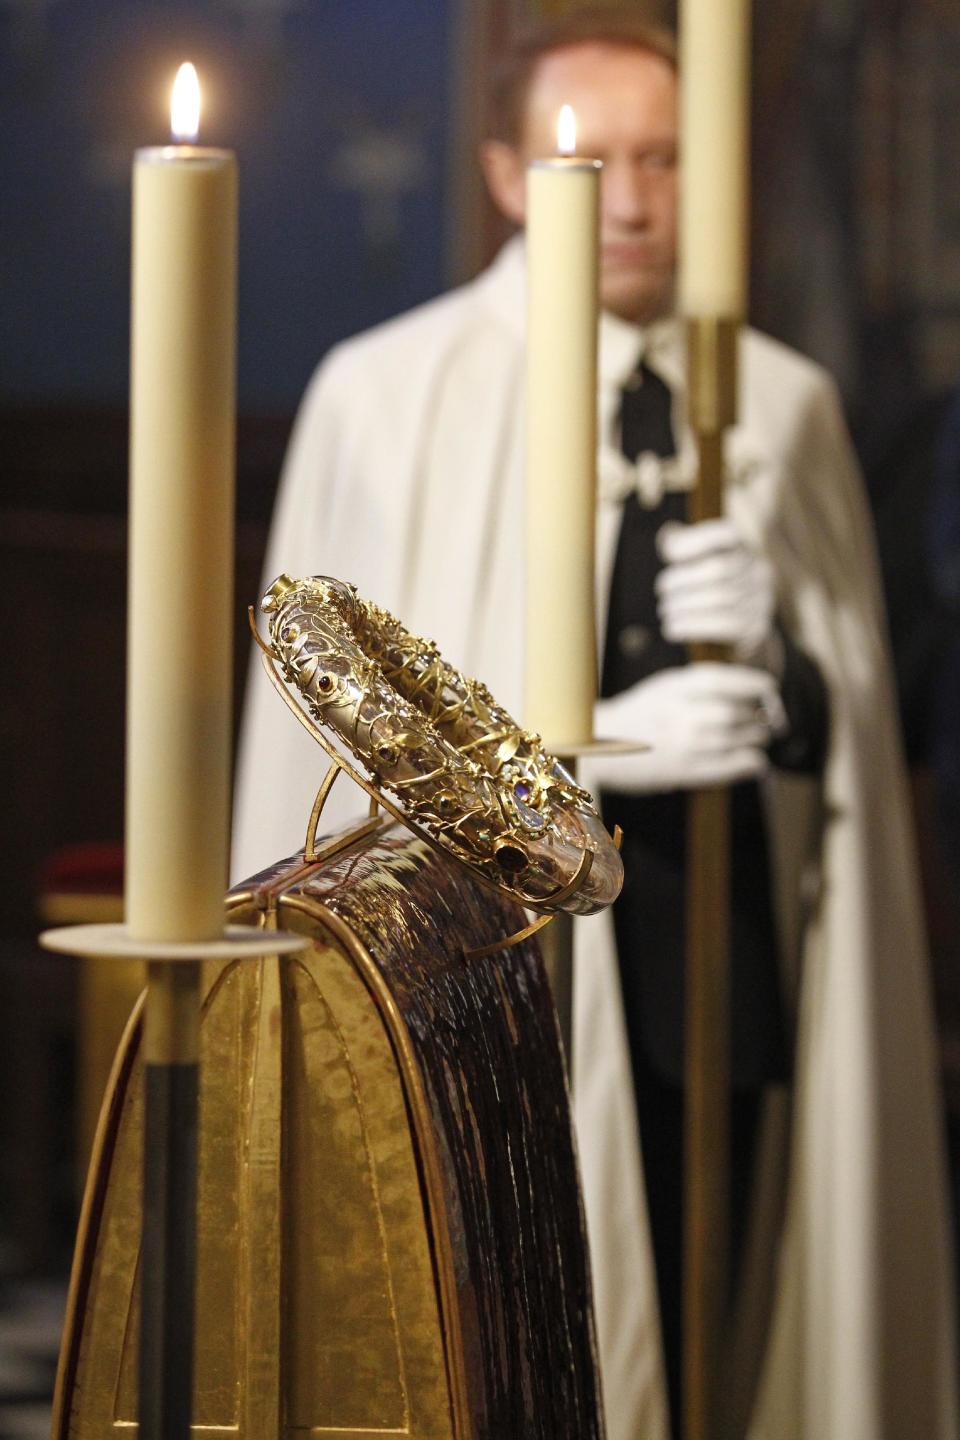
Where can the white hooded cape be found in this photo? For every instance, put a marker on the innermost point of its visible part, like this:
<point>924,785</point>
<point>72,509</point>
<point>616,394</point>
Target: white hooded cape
<point>404,476</point>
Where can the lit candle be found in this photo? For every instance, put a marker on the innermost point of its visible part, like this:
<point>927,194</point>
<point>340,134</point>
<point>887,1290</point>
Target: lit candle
<point>714,66</point>
<point>562,279</point>
<point>183,322</point>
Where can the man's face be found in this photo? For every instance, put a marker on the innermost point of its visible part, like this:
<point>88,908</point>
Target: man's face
<point>625,102</point>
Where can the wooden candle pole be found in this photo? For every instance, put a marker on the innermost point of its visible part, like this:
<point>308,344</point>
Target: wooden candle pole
<point>168,1251</point>
<point>714,54</point>
<point>712,361</point>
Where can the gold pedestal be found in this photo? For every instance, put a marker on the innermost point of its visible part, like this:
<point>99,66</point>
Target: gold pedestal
<point>389,1232</point>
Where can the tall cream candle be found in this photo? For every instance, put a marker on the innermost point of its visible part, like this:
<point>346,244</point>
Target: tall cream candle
<point>561,444</point>
<point>181,541</point>
<point>714,69</point>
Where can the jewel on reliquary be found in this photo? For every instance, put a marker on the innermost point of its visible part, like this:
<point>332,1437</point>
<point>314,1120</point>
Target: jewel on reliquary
<point>532,819</point>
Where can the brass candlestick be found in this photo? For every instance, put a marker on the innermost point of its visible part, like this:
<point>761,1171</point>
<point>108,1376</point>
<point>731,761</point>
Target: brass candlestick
<point>712,380</point>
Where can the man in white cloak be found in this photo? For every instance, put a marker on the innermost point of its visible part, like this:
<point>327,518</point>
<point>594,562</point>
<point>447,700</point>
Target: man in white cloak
<point>404,476</point>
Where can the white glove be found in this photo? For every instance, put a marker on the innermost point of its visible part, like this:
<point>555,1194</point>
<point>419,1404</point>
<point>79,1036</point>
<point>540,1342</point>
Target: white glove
<point>706,724</point>
<point>713,588</point>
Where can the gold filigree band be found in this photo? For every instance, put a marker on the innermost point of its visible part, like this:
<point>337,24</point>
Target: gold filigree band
<point>440,752</point>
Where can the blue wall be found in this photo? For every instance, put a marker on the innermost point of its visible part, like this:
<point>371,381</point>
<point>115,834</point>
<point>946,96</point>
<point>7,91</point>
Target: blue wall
<point>338,110</point>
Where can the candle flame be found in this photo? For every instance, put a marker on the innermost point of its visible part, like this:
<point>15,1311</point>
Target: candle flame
<point>185,104</point>
<point>567,131</point>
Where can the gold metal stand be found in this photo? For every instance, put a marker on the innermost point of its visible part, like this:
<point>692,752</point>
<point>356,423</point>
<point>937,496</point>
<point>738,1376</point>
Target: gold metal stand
<point>375,1115</point>
<point>712,371</point>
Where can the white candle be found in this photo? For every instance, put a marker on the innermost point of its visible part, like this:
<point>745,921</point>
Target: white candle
<point>714,70</point>
<point>182,422</point>
<point>562,224</point>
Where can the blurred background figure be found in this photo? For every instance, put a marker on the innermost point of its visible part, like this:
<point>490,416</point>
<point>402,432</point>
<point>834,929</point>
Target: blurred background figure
<point>405,472</point>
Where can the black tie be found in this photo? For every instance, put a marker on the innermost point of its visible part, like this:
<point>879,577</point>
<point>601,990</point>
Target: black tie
<point>634,647</point>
